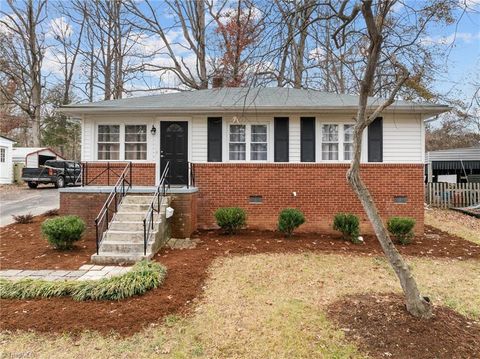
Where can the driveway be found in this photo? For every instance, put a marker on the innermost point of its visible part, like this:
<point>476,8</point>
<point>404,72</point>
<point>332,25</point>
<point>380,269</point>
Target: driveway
<point>22,200</point>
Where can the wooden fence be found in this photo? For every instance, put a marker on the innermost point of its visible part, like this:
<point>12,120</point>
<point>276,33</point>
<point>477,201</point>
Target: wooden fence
<point>448,195</point>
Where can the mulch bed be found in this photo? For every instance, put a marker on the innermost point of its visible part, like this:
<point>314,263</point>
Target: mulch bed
<point>187,270</point>
<point>23,247</point>
<point>380,326</point>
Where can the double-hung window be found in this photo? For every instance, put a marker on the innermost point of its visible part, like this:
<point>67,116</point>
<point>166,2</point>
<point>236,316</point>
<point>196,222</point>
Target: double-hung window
<point>238,143</point>
<point>258,143</point>
<point>3,156</point>
<point>108,142</point>
<point>330,142</point>
<point>347,142</point>
<point>248,142</point>
<point>135,142</point>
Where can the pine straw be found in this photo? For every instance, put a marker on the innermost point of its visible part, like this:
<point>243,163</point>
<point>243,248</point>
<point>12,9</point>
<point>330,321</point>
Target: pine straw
<point>142,277</point>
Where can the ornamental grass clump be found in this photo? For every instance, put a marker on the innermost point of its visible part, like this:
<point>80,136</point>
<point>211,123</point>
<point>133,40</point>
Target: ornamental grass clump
<point>401,228</point>
<point>290,219</point>
<point>62,232</point>
<point>144,275</point>
<point>230,219</point>
<point>349,225</point>
<point>23,218</point>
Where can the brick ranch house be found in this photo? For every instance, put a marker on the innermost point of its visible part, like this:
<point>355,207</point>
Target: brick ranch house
<point>262,149</point>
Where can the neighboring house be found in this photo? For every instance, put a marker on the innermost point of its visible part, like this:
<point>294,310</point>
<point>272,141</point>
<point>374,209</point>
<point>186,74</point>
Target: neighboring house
<point>6,167</point>
<point>458,165</point>
<point>34,156</point>
<point>262,149</point>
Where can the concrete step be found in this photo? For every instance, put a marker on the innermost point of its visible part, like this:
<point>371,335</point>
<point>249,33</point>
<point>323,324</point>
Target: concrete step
<point>118,258</point>
<point>126,236</point>
<point>129,216</point>
<point>124,247</point>
<point>132,199</point>
<point>133,207</point>
<point>130,225</point>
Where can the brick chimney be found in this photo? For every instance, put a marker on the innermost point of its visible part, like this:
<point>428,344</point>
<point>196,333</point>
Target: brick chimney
<point>217,82</point>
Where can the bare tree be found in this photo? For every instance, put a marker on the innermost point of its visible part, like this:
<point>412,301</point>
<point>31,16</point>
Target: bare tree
<point>22,53</point>
<point>375,22</point>
<point>239,31</point>
<point>191,23</point>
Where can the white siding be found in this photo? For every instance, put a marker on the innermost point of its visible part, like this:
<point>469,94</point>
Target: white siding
<point>402,143</point>
<point>6,167</point>
<point>294,139</point>
<point>199,139</point>
<point>402,139</point>
<point>88,140</point>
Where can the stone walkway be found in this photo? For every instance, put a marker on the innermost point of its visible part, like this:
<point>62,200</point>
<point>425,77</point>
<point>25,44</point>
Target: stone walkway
<point>85,272</point>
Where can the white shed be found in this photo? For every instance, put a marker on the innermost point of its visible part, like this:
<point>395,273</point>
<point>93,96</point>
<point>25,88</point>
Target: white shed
<point>34,156</point>
<point>6,167</point>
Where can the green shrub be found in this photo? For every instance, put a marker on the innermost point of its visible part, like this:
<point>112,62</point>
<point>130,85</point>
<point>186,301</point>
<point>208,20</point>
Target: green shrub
<point>144,275</point>
<point>349,225</point>
<point>401,228</point>
<point>61,232</point>
<point>290,219</point>
<point>230,219</point>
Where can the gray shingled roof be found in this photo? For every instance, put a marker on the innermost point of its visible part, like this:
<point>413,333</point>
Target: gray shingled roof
<point>243,99</point>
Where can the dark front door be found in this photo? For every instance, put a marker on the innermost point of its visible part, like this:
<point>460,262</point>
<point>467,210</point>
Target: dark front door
<point>174,149</point>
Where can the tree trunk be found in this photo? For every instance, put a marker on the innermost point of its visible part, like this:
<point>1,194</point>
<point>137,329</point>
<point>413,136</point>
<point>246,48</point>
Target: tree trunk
<point>415,303</point>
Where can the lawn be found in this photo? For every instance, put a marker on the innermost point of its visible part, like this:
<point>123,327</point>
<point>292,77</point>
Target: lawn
<point>268,305</point>
<point>455,223</point>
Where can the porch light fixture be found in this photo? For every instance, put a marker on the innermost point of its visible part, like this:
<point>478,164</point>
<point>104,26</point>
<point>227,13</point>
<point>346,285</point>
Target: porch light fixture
<point>153,131</point>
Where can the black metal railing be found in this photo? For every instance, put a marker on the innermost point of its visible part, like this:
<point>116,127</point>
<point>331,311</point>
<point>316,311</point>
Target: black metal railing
<point>155,205</point>
<point>123,184</point>
<point>108,171</point>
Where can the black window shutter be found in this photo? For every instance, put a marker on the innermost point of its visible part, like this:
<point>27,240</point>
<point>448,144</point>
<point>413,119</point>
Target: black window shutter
<point>307,139</point>
<point>214,134</point>
<point>375,140</point>
<point>281,139</point>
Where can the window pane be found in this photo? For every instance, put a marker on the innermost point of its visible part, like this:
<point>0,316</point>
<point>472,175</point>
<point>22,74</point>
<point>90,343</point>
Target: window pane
<point>258,151</point>
<point>135,133</point>
<point>348,133</point>
<point>330,133</point>
<point>108,133</point>
<point>2,155</point>
<point>237,133</point>
<point>135,151</point>
<point>237,152</point>
<point>330,151</point>
<point>347,151</point>
<point>108,151</point>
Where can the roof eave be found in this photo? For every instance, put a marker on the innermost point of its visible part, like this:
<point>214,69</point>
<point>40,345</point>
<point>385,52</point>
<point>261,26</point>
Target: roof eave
<point>78,111</point>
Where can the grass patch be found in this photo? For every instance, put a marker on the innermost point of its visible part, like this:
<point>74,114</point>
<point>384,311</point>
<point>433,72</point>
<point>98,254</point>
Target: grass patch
<point>144,276</point>
<point>267,306</point>
<point>455,223</point>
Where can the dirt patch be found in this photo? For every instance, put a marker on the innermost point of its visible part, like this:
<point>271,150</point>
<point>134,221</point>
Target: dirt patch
<point>23,247</point>
<point>187,270</point>
<point>380,325</point>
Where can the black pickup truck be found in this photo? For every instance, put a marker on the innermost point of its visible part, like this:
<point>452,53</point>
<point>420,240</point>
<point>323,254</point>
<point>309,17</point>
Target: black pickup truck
<point>60,173</point>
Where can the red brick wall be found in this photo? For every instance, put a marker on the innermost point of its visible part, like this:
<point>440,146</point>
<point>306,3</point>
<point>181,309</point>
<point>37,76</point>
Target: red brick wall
<point>107,173</point>
<point>184,220</point>
<point>84,205</point>
<point>322,191</point>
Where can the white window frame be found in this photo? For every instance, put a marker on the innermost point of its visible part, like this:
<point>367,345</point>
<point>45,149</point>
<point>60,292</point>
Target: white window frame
<point>135,142</point>
<point>122,139</point>
<point>345,142</point>
<point>337,142</point>
<point>248,141</point>
<point>341,141</point>
<point>97,142</point>
<point>3,154</point>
